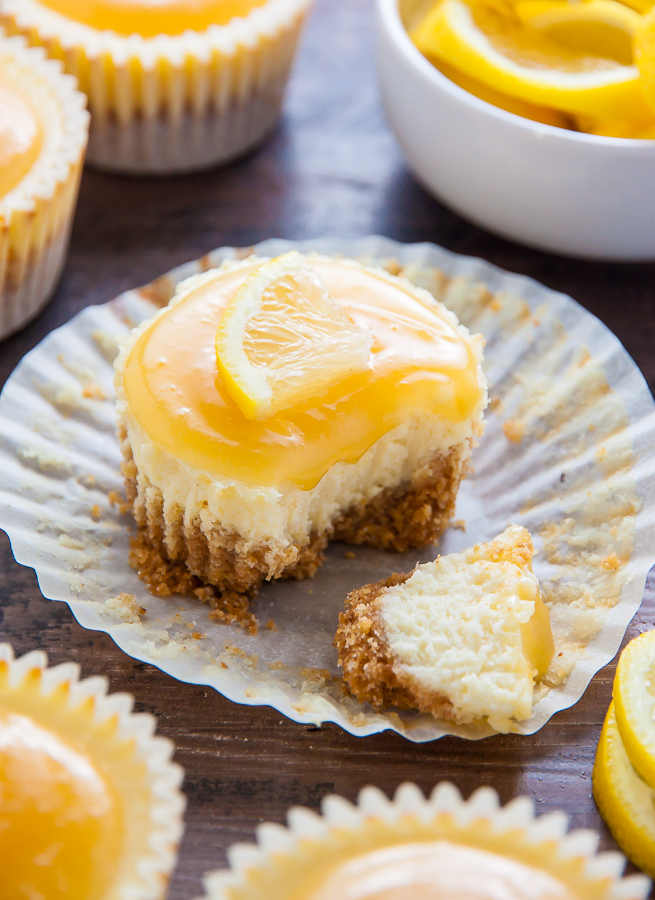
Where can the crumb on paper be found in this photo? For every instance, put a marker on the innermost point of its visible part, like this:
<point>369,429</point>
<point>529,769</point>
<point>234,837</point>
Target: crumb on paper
<point>278,664</point>
<point>96,512</point>
<point>271,626</point>
<point>113,497</point>
<point>126,607</point>
<point>65,540</point>
<point>458,524</point>
<point>514,430</point>
<point>224,665</point>
<point>350,555</point>
<point>495,404</point>
<point>45,461</point>
<point>93,391</point>
<point>197,636</point>
<point>106,343</point>
<point>87,481</point>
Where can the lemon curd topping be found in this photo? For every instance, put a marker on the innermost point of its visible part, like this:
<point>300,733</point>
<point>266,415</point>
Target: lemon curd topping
<point>21,137</point>
<point>439,870</point>
<point>60,819</point>
<point>152,17</point>
<point>419,365</point>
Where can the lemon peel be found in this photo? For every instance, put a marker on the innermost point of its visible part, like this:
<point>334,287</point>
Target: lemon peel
<point>283,339</point>
<point>625,801</point>
<point>644,51</point>
<point>506,55</point>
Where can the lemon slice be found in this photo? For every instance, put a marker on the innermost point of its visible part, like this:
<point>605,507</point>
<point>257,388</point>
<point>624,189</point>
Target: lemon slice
<point>644,50</point>
<point>625,801</point>
<point>598,27</point>
<point>634,702</point>
<point>620,128</point>
<point>516,59</point>
<point>283,339</point>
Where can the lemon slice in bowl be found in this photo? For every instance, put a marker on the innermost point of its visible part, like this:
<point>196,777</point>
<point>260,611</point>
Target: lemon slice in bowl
<point>644,49</point>
<point>495,47</point>
<point>599,27</point>
<point>625,801</point>
<point>283,339</point>
<point>634,703</point>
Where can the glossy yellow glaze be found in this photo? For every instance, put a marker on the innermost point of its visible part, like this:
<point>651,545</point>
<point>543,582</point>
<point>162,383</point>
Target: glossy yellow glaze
<point>21,137</point>
<point>152,17</point>
<point>60,819</point>
<point>419,365</point>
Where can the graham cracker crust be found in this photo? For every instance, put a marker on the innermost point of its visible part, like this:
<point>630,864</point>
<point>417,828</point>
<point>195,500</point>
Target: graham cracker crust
<point>367,660</point>
<point>411,515</point>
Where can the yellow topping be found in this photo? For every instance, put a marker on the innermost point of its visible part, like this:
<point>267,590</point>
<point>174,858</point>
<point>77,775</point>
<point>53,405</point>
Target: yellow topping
<point>419,365</point>
<point>283,339</point>
<point>152,17</point>
<point>537,638</point>
<point>645,55</point>
<point>21,138</point>
<point>60,822</point>
<point>439,870</point>
<point>626,802</point>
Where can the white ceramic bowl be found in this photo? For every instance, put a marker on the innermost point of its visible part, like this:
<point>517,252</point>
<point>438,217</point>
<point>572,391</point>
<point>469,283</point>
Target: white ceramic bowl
<point>557,190</point>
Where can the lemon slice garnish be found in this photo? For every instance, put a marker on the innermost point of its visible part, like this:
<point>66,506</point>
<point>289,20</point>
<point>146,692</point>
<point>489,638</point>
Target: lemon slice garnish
<point>598,27</point>
<point>634,703</point>
<point>625,801</point>
<point>496,48</point>
<point>283,339</point>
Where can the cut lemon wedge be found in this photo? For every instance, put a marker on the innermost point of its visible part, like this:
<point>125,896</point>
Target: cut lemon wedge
<point>634,703</point>
<point>283,339</point>
<point>518,60</point>
<point>620,128</point>
<point>625,801</point>
<point>644,50</point>
<point>597,27</point>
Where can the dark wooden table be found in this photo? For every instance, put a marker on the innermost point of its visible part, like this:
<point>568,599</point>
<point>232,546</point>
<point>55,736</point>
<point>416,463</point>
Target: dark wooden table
<point>331,168</point>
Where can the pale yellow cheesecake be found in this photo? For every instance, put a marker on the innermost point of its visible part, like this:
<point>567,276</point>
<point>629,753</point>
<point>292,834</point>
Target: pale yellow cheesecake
<point>172,85</point>
<point>463,637</point>
<point>343,407</point>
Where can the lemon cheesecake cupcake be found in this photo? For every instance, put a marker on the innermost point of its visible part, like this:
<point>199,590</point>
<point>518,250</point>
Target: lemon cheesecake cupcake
<point>90,806</point>
<point>463,637</point>
<point>278,404</point>
<point>413,848</point>
<point>43,136</point>
<point>172,85</point>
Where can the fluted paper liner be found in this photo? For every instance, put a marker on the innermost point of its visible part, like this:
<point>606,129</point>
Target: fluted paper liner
<point>150,848</point>
<point>512,829</point>
<point>568,452</point>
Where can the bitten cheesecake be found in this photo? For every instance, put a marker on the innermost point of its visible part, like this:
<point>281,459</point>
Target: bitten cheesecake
<point>275,405</point>
<point>463,637</point>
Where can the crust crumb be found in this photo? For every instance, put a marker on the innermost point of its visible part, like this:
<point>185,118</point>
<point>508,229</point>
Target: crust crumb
<point>514,430</point>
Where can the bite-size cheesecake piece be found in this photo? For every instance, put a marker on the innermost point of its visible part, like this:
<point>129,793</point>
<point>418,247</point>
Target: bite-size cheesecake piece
<point>43,136</point>
<point>463,637</point>
<point>172,85</point>
<point>90,802</point>
<point>342,404</point>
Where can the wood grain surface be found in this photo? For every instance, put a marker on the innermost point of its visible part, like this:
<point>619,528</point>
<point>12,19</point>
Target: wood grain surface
<point>331,168</point>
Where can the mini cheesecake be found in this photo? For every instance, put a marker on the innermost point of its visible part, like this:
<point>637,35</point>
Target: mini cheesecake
<point>374,456</point>
<point>43,135</point>
<point>172,85</point>
<point>463,637</point>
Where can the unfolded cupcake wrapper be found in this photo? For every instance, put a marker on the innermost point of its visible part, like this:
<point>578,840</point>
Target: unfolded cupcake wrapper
<point>37,215</point>
<point>173,104</point>
<point>514,825</point>
<point>152,870</point>
<point>567,452</point>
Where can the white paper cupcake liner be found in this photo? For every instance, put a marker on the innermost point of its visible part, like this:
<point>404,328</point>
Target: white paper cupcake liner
<point>156,854</point>
<point>568,452</point>
<point>514,825</point>
<point>172,103</point>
